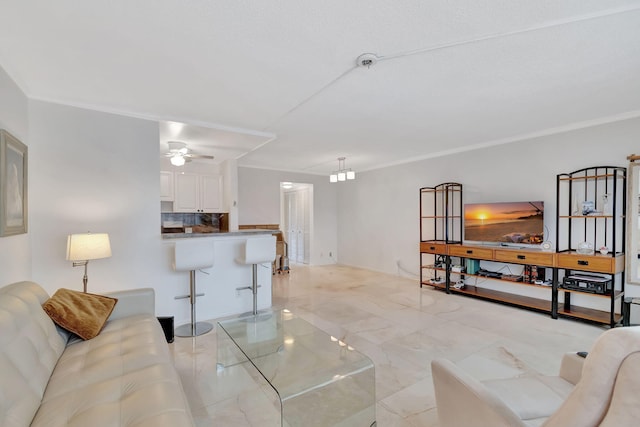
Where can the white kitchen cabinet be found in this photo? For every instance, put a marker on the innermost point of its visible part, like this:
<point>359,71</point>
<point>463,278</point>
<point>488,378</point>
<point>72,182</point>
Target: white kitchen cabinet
<point>187,193</point>
<point>197,193</point>
<point>211,193</point>
<point>166,186</point>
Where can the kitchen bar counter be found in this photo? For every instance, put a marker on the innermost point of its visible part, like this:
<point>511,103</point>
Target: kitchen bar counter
<point>220,282</point>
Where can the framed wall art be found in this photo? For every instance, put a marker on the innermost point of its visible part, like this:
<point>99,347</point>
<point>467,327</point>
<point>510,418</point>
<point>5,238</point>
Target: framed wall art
<point>13,185</point>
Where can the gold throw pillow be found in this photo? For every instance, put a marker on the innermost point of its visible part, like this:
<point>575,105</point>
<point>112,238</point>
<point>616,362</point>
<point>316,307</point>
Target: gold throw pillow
<point>80,313</point>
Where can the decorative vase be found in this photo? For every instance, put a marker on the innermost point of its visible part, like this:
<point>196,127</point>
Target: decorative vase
<point>585,248</point>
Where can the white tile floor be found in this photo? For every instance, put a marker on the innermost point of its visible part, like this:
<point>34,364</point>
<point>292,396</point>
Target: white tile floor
<point>400,327</point>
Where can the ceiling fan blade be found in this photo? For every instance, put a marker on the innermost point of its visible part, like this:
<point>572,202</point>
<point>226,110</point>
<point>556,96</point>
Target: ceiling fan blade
<point>179,148</point>
<point>199,156</point>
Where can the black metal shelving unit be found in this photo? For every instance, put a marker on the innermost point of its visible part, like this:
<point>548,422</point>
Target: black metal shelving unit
<point>441,217</point>
<point>591,205</point>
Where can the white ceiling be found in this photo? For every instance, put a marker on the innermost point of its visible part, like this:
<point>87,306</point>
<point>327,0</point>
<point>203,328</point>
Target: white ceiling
<point>452,75</point>
<point>223,144</point>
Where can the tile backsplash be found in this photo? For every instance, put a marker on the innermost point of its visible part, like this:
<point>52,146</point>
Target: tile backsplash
<point>171,221</point>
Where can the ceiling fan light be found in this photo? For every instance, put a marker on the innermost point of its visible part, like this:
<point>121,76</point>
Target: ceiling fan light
<point>177,160</point>
<point>342,176</point>
<point>351,174</point>
<point>333,178</point>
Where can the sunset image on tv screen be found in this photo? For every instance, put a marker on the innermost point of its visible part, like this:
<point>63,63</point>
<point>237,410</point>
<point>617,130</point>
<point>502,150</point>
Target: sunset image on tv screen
<point>509,222</point>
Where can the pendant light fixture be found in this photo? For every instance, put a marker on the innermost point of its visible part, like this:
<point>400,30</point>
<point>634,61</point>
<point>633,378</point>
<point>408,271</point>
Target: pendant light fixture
<point>342,174</point>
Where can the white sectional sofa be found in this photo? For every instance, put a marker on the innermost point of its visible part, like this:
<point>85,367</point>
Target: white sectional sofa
<point>122,377</point>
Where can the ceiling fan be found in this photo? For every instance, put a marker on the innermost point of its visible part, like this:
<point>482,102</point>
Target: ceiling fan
<point>179,153</point>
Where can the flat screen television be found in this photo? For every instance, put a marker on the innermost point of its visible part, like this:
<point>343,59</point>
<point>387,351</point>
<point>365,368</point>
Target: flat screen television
<point>506,223</point>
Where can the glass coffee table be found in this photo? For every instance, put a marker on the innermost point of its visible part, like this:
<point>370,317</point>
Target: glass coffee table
<point>319,380</point>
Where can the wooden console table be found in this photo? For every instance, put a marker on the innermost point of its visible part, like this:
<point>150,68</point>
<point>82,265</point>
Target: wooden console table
<point>565,263</point>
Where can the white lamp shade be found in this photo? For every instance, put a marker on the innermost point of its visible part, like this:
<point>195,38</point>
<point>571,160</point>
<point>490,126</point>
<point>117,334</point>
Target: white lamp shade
<point>342,176</point>
<point>83,247</point>
<point>333,178</point>
<point>259,250</point>
<point>351,175</point>
<point>193,255</point>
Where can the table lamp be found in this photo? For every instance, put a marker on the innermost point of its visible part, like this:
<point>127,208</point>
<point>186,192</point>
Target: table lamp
<point>84,247</point>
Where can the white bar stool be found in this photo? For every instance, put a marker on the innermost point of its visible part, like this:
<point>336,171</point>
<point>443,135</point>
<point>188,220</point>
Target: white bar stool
<point>257,250</point>
<point>190,256</point>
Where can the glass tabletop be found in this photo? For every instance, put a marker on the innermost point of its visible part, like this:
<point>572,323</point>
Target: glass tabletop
<point>319,379</point>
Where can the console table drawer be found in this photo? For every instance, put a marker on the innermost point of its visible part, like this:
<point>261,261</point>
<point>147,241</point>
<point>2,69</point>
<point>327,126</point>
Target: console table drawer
<point>523,257</point>
<point>471,252</point>
<point>601,264</point>
<point>433,248</point>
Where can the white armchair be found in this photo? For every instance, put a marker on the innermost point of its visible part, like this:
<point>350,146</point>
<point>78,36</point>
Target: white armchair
<point>601,390</point>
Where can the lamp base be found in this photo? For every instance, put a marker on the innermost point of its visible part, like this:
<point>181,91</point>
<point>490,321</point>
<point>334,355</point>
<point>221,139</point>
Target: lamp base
<point>190,330</point>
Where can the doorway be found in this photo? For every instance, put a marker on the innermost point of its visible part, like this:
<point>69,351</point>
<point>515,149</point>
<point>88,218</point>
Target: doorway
<point>296,201</point>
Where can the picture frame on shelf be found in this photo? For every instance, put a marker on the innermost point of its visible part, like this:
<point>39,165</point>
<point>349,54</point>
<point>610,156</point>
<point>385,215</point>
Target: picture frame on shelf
<point>13,185</point>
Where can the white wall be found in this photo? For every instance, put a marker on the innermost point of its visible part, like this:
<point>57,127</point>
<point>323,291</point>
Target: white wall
<point>378,217</point>
<point>259,203</point>
<point>230,186</point>
<point>15,255</point>
<point>99,172</point>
